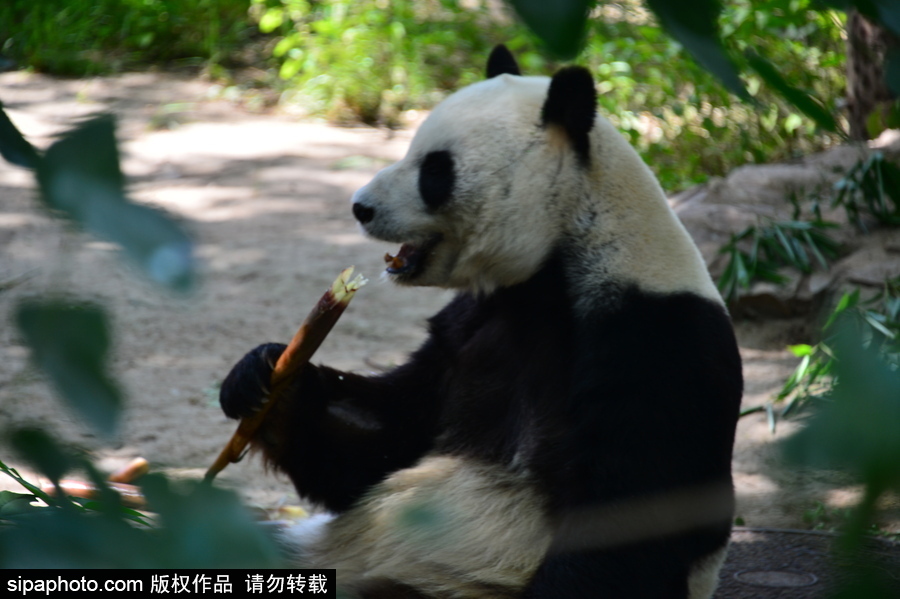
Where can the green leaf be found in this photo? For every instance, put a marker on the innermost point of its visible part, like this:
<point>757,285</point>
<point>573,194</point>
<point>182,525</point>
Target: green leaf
<point>271,20</point>
<point>202,526</point>
<point>801,349</point>
<point>857,431</point>
<point>872,320</point>
<point>32,488</point>
<point>801,369</point>
<point>802,101</point>
<point>815,250</point>
<point>847,301</point>
<point>69,343</point>
<point>14,148</point>
<point>792,405</point>
<point>770,417</point>
<point>80,177</point>
<point>796,377</point>
<point>696,28</point>
<point>68,538</point>
<point>561,25</point>
<point>787,247</point>
<point>887,12</point>
<point>16,504</point>
<point>741,275</point>
<point>42,452</point>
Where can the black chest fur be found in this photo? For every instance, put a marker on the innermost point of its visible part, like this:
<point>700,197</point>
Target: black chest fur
<point>637,398</point>
<point>509,372</point>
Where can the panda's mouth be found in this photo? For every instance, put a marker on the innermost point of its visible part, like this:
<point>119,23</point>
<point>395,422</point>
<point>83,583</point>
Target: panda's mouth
<point>412,258</point>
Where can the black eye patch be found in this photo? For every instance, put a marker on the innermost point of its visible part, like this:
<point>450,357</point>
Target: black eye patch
<point>436,178</point>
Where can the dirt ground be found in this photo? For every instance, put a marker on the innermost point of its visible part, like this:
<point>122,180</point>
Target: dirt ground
<point>266,196</point>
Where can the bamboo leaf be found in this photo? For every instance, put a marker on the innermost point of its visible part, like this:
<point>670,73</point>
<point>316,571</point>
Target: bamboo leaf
<point>795,401</point>
<point>726,282</point>
<point>14,504</point>
<point>741,275</point>
<point>32,488</point>
<point>801,369</point>
<point>892,70</point>
<point>697,30</point>
<point>815,250</point>
<point>801,350</point>
<point>857,431</point>
<point>561,25</point>
<point>803,263</point>
<point>69,343</point>
<point>786,246</point>
<point>875,324</point>
<point>753,410</point>
<point>80,177</point>
<point>848,300</point>
<point>14,148</point>
<point>801,100</point>
<point>887,12</point>
<point>42,451</point>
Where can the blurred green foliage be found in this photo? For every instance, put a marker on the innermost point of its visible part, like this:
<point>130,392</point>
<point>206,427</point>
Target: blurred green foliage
<point>868,193</point>
<point>697,91</point>
<point>85,37</point>
<point>684,122</point>
<point>758,253</point>
<point>70,343</point>
<point>855,431</point>
<point>876,321</point>
<point>369,60</point>
<point>87,189</point>
<point>194,525</point>
<point>871,189</point>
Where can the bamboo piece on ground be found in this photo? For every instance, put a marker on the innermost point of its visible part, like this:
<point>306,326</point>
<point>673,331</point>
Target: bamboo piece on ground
<point>132,471</point>
<point>298,353</point>
<point>118,481</point>
<point>130,494</point>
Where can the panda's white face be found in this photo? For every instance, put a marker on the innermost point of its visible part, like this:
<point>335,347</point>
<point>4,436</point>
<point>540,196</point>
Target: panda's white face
<point>473,203</point>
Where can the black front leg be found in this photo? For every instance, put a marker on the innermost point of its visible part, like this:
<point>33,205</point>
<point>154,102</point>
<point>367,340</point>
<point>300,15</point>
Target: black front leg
<point>337,433</point>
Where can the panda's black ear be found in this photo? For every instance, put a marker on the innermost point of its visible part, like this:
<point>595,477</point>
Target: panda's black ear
<point>502,61</point>
<point>572,105</point>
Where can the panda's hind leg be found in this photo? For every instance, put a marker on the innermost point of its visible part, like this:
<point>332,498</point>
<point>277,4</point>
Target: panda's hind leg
<point>447,527</point>
<point>704,576</point>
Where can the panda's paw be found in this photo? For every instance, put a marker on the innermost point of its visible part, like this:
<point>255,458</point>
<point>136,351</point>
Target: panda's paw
<point>246,388</point>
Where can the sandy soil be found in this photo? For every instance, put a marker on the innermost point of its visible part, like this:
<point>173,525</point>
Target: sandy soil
<point>267,198</point>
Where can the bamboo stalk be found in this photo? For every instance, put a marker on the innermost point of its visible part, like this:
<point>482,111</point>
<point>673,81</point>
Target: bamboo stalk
<point>306,341</point>
<point>132,471</point>
<point>130,494</point>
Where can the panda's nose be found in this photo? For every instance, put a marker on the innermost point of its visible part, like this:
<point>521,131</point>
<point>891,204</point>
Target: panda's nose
<point>363,213</point>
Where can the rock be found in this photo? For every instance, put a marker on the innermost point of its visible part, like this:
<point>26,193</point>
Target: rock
<point>758,194</point>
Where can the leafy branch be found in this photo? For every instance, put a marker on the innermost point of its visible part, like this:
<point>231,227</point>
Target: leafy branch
<point>856,431</point>
<point>197,525</point>
<point>562,28</point>
<point>877,325</point>
<point>871,186</point>
<point>794,243</point>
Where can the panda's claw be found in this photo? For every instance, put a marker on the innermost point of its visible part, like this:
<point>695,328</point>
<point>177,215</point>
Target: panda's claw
<point>246,388</point>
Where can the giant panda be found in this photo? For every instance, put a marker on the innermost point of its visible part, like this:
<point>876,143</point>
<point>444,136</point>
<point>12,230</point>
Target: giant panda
<point>566,429</point>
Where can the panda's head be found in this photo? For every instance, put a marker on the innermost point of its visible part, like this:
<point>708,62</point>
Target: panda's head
<point>478,201</point>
